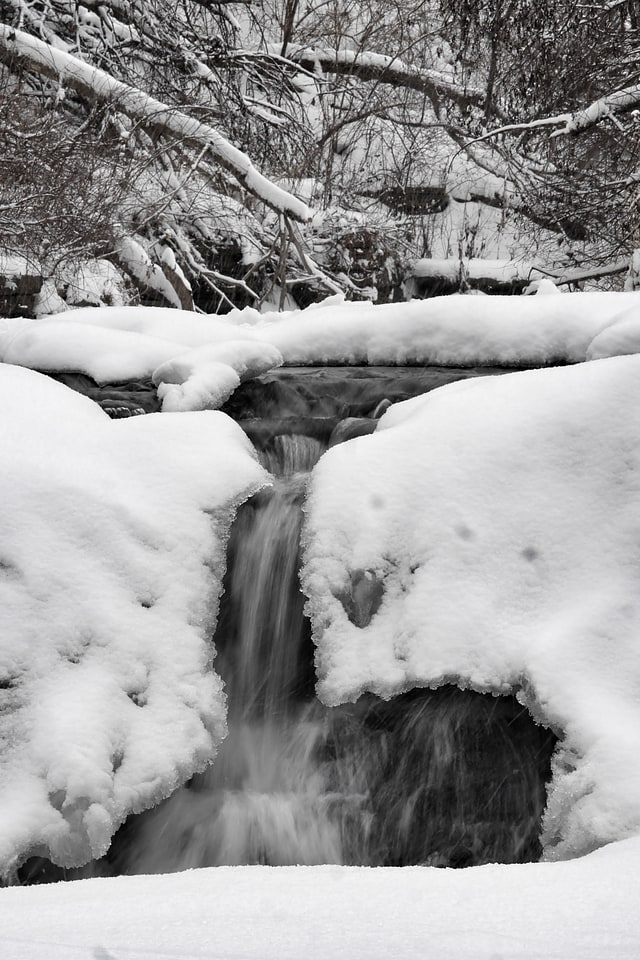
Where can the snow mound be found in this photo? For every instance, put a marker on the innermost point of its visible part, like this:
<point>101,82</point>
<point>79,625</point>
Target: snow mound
<point>108,354</point>
<point>487,534</point>
<point>455,330</point>
<point>113,344</point>
<point>112,550</point>
<point>620,339</point>
<point>203,378</point>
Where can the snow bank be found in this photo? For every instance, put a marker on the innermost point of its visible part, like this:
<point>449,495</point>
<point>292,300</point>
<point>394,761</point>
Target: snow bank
<point>112,548</point>
<point>580,910</point>
<point>619,339</point>
<point>112,344</point>
<point>487,533</point>
<point>454,330</point>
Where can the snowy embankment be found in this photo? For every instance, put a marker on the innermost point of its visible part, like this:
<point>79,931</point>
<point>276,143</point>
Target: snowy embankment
<point>487,534</point>
<point>197,361</point>
<point>112,550</point>
<point>580,910</point>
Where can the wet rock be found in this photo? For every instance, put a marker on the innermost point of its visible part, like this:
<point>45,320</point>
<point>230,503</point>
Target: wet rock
<point>352,427</point>
<point>127,399</point>
<point>362,600</point>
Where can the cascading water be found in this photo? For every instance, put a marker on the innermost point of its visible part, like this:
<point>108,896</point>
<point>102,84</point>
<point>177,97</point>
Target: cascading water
<point>442,777</point>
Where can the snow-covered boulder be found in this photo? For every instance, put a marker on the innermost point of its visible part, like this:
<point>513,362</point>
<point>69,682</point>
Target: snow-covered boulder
<point>488,534</point>
<point>112,550</point>
<point>204,377</point>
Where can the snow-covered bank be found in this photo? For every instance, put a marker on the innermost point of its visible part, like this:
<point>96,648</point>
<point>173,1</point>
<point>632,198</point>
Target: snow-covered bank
<point>487,533</point>
<point>112,549</point>
<point>113,344</point>
<point>580,910</point>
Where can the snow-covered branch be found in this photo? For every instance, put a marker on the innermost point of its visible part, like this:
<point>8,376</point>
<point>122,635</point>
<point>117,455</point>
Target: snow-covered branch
<point>19,49</point>
<point>620,101</point>
<point>389,70</point>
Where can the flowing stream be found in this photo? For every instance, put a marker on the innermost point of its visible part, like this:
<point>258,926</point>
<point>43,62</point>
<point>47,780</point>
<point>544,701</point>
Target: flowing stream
<point>447,777</point>
<point>444,778</point>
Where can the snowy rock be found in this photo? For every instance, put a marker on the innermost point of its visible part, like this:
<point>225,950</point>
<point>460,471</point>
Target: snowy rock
<point>204,377</point>
<point>108,355</point>
<point>112,550</point>
<point>113,344</point>
<point>499,517</point>
<point>206,389</point>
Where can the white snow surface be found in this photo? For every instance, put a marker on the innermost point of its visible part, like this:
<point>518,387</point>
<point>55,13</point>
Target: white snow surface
<point>112,550</point>
<point>583,909</point>
<point>500,516</point>
<point>204,377</point>
<point>113,344</point>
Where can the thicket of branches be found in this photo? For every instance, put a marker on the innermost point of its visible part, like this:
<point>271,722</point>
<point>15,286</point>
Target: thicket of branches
<point>419,128</point>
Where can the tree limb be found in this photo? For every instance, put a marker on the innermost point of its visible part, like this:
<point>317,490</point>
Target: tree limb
<point>21,50</point>
<point>396,73</point>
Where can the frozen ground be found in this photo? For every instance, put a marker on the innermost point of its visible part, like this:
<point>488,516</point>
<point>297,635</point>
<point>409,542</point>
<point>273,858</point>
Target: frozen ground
<point>579,910</point>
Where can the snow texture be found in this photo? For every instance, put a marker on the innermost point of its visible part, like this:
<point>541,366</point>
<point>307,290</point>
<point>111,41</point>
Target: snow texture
<point>474,268</point>
<point>112,550</point>
<point>487,534</point>
<point>204,377</point>
<point>584,909</point>
<point>113,344</point>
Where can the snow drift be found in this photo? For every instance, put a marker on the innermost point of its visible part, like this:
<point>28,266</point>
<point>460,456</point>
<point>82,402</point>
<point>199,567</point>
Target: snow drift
<point>487,534</point>
<point>112,549</point>
<point>197,361</point>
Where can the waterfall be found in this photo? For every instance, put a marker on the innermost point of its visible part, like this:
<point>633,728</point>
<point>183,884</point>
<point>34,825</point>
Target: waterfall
<point>443,777</point>
<point>447,777</point>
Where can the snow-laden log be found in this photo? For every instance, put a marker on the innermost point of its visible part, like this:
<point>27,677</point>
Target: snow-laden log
<point>21,50</point>
<point>366,65</point>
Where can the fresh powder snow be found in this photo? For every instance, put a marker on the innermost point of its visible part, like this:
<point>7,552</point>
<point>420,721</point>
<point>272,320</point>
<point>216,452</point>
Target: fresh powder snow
<point>113,344</point>
<point>583,909</point>
<point>113,541</point>
<point>487,534</point>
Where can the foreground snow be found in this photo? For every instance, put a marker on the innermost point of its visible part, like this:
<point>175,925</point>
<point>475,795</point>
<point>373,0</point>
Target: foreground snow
<point>580,910</point>
<point>487,533</point>
<point>112,550</point>
<point>197,361</point>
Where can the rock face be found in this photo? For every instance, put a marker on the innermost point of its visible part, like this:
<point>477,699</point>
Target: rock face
<point>128,399</point>
<point>340,391</point>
